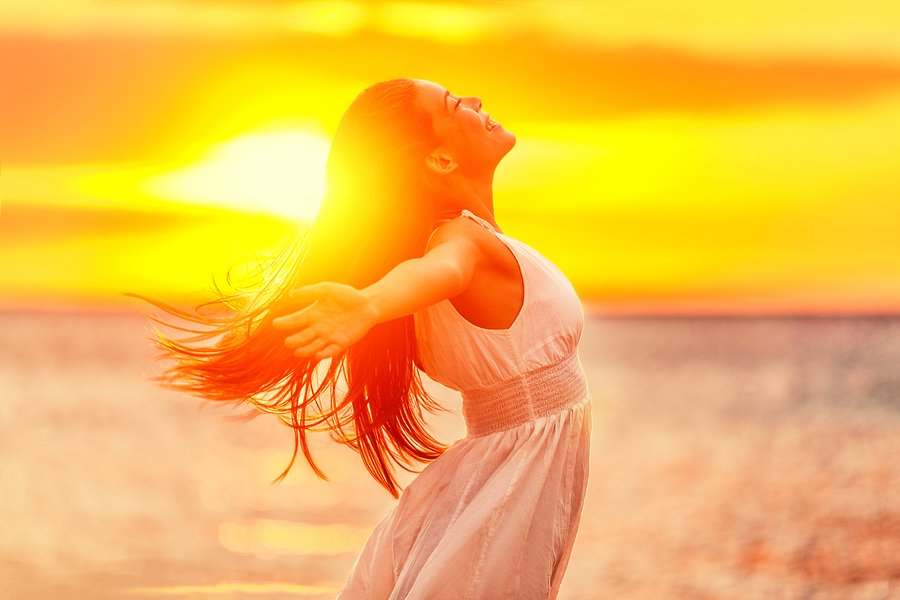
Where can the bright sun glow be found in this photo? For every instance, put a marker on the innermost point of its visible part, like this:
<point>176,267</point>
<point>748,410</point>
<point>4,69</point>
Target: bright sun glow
<point>281,173</point>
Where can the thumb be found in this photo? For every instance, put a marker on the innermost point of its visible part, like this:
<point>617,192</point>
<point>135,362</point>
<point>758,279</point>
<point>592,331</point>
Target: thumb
<point>306,295</point>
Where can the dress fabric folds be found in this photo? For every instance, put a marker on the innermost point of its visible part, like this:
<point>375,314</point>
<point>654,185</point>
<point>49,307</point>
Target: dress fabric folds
<point>495,516</point>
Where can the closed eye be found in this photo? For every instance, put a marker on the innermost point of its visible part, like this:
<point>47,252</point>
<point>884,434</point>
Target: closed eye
<point>458,102</point>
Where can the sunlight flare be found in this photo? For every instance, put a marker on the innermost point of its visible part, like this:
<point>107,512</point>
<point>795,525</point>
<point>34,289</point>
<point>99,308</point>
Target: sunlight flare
<point>271,537</point>
<point>229,589</point>
<point>280,173</point>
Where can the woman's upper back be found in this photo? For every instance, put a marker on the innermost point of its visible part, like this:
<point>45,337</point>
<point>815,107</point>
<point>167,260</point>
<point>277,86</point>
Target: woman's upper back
<point>546,329</point>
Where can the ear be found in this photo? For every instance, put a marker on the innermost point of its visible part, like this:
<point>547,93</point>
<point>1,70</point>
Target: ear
<point>440,163</point>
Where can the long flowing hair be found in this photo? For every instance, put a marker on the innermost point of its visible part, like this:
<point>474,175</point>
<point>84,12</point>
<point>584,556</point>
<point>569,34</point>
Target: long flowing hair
<point>376,214</point>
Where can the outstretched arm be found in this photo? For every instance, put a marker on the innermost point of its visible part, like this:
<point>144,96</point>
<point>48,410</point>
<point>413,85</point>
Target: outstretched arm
<point>335,316</point>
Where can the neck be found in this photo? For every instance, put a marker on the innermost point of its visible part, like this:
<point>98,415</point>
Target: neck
<point>475,194</point>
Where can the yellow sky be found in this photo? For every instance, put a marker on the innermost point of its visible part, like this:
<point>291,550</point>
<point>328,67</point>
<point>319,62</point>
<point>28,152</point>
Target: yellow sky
<point>766,27</point>
<point>671,157</point>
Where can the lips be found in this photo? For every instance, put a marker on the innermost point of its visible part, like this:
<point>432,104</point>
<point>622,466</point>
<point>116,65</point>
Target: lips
<point>489,124</point>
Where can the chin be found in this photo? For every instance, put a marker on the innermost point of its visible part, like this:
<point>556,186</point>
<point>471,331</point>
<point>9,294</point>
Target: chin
<point>493,153</point>
<point>509,140</point>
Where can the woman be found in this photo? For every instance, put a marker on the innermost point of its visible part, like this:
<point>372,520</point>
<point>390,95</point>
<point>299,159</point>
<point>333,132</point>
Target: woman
<point>406,271</point>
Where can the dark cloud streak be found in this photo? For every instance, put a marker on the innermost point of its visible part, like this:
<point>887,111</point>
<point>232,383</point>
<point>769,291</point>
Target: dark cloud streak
<point>110,98</point>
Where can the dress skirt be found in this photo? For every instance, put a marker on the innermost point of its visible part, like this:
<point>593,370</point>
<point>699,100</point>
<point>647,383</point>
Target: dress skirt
<point>496,515</point>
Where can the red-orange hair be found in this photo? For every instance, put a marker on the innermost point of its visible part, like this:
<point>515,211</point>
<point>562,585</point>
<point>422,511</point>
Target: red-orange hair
<point>375,215</point>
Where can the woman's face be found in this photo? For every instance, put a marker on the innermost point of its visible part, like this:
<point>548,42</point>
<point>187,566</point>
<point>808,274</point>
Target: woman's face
<point>474,140</point>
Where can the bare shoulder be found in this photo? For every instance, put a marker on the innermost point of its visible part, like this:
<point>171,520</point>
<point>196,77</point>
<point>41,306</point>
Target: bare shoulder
<point>495,269</point>
<point>494,290</point>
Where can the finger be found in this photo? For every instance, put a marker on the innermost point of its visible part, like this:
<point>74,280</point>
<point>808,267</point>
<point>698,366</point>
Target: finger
<point>308,293</point>
<point>301,338</point>
<point>327,352</point>
<point>294,320</point>
<point>311,348</point>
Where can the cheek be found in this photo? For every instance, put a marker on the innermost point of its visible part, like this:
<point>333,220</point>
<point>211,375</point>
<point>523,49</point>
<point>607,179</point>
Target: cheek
<point>475,131</point>
<point>465,138</point>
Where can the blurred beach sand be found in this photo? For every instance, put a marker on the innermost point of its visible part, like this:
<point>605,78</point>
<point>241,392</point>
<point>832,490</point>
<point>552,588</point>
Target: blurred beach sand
<point>735,458</point>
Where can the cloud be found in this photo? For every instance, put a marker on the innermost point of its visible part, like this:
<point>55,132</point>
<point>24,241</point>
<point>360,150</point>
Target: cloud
<point>117,98</point>
<point>863,28</point>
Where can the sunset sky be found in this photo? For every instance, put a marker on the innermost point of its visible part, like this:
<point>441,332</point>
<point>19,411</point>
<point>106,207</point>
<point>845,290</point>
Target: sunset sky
<point>672,157</point>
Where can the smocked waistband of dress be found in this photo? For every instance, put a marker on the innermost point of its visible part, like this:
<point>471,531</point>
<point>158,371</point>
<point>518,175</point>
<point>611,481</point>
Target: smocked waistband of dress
<point>526,397</point>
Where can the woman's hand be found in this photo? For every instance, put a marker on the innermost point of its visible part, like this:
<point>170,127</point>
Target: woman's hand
<point>334,317</point>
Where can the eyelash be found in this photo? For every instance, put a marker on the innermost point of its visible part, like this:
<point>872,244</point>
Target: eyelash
<point>458,102</point>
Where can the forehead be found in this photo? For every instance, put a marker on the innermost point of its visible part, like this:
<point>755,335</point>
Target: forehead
<point>431,95</point>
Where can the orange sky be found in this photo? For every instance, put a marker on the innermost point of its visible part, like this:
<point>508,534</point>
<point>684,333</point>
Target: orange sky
<point>670,158</point>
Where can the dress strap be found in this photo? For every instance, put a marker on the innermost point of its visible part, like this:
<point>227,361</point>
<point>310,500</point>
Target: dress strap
<point>470,215</point>
<point>477,219</point>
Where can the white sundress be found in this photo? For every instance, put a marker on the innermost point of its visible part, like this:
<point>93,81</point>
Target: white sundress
<point>495,516</point>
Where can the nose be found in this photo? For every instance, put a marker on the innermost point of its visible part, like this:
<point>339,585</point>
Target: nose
<point>474,102</point>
